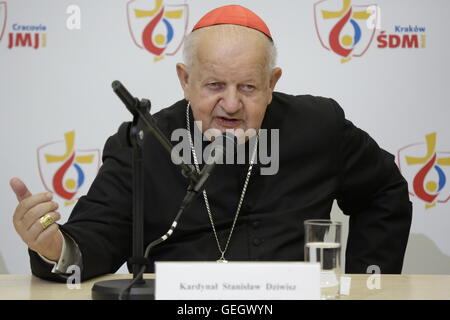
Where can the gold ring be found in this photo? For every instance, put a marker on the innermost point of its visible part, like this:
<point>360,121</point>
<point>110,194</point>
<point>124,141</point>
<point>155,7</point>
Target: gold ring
<point>46,221</point>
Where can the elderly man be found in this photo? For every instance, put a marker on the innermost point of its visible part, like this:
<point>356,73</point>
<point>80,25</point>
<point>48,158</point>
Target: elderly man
<point>228,79</point>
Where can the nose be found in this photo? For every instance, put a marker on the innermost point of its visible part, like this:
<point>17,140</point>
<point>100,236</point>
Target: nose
<point>231,102</point>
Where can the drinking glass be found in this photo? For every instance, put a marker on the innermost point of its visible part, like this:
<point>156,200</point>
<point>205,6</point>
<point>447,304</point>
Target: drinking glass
<point>323,245</point>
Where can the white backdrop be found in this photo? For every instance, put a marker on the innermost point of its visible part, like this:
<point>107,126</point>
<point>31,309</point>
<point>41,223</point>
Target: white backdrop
<point>396,94</point>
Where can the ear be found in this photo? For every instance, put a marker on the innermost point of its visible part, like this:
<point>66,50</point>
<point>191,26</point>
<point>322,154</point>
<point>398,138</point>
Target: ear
<point>275,76</point>
<point>183,77</point>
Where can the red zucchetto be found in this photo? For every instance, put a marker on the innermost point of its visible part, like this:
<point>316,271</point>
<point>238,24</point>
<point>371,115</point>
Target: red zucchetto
<point>233,14</point>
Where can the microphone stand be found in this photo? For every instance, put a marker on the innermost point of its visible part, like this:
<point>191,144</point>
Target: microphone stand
<point>139,288</point>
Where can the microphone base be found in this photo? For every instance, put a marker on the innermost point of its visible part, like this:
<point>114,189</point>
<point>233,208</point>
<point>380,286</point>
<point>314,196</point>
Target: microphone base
<point>111,289</point>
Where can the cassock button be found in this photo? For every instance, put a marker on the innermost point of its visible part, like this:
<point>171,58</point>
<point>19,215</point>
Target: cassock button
<point>257,242</point>
<point>256,224</point>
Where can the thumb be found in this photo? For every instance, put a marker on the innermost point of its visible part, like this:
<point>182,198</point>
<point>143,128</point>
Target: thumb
<point>19,188</point>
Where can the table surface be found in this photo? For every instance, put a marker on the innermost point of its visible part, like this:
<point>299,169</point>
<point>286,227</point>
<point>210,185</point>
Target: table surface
<point>397,287</point>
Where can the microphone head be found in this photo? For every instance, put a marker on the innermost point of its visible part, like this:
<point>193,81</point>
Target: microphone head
<point>130,102</point>
<point>222,148</point>
<point>116,84</point>
<point>229,139</point>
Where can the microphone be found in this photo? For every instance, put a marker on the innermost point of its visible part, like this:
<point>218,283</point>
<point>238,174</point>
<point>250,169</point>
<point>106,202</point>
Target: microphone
<point>222,145</point>
<point>140,111</point>
<point>218,151</point>
<point>127,99</point>
<point>136,109</point>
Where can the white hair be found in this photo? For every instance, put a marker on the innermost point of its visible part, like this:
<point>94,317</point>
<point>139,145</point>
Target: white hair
<point>190,46</point>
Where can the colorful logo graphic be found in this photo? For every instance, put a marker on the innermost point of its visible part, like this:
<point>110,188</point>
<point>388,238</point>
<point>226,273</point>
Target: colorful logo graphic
<point>70,174</point>
<point>159,29</point>
<point>3,16</point>
<point>342,27</point>
<point>426,171</point>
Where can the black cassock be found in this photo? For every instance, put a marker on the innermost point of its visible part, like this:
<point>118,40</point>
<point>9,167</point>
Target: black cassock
<point>323,157</point>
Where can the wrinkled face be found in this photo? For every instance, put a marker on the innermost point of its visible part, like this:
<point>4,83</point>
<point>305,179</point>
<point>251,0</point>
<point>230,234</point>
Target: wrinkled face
<point>229,83</point>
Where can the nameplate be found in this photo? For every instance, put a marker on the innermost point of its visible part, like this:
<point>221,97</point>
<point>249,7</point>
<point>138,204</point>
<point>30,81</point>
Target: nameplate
<point>237,281</point>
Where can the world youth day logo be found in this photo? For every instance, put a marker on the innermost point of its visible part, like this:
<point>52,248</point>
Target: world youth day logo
<point>65,171</point>
<point>426,171</point>
<point>157,27</point>
<point>345,29</point>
